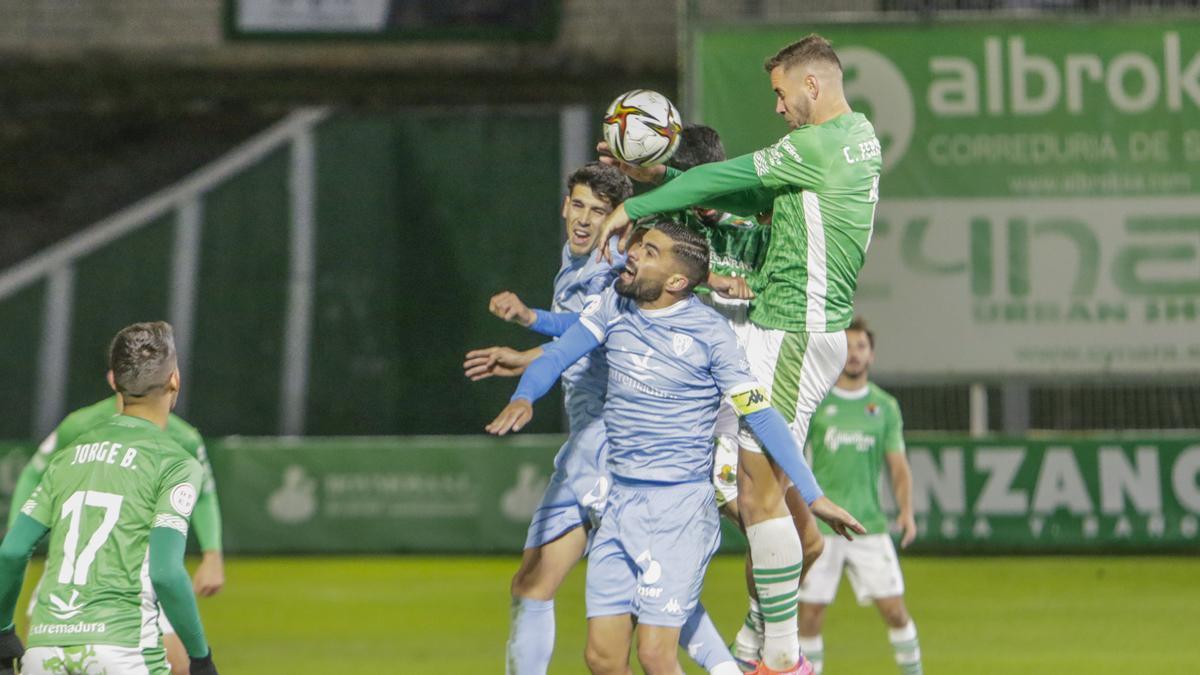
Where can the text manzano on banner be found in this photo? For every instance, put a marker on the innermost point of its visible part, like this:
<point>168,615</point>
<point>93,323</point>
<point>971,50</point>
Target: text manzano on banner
<point>1040,205</point>
<point>1057,494</point>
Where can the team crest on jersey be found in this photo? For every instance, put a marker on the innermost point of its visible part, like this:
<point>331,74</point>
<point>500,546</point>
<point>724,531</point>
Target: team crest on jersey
<point>830,410</point>
<point>872,410</point>
<point>681,343</point>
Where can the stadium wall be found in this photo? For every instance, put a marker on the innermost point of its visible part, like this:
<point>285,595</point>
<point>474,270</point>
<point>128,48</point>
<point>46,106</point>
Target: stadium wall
<point>408,240</point>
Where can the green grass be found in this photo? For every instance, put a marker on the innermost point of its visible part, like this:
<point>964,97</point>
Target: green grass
<point>976,616</point>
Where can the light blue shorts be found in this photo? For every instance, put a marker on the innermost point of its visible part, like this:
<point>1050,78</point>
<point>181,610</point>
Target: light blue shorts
<point>651,552</point>
<point>578,490</point>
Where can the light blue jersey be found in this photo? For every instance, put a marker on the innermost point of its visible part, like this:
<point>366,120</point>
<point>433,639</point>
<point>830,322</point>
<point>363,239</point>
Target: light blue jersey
<point>669,370</point>
<point>581,280</point>
<point>578,490</point>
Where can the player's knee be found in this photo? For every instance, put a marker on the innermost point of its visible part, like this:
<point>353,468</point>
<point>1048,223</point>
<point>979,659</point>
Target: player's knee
<point>657,657</point>
<point>601,660</point>
<point>895,615</point>
<point>180,669</point>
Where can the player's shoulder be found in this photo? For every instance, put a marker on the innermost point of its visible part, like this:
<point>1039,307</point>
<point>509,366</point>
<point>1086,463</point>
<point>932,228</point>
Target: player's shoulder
<point>882,395</point>
<point>184,434</point>
<point>705,323</point>
<point>85,418</point>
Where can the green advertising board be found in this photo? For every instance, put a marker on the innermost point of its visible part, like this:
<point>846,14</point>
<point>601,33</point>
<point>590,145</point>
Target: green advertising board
<point>476,494</point>
<point>1040,203</point>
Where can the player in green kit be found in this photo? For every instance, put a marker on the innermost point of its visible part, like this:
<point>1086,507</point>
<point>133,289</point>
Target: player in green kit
<point>116,505</point>
<point>821,183</point>
<point>855,432</point>
<point>206,520</point>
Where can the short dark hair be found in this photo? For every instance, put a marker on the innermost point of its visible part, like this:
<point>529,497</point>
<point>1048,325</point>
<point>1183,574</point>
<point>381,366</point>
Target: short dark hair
<point>690,248</point>
<point>142,357</point>
<point>606,182</point>
<point>698,145</point>
<point>809,49</point>
<point>860,324</point>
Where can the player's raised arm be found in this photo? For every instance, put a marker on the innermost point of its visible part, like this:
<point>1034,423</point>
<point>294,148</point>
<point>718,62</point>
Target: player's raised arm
<point>541,375</point>
<point>498,362</point>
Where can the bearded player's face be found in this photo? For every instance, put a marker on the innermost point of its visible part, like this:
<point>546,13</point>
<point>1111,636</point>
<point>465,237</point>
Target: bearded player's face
<point>859,355</point>
<point>583,211</point>
<point>791,95</point>
<point>647,267</point>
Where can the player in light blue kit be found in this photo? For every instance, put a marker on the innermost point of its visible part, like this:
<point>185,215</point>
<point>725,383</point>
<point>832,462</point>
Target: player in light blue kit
<point>671,361</point>
<point>575,497</point>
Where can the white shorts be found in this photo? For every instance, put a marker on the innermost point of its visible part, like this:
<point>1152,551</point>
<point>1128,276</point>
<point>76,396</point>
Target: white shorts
<point>797,370</point>
<point>94,660</point>
<point>869,560</point>
<point>725,452</point>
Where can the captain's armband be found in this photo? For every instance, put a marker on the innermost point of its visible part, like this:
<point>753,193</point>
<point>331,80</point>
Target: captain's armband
<point>750,399</point>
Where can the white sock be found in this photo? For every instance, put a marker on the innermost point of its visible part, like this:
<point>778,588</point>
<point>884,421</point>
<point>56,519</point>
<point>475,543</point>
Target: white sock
<point>749,640</point>
<point>777,556</point>
<point>813,649</point>
<point>906,648</point>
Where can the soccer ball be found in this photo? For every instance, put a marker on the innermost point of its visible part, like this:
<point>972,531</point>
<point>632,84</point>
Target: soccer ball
<point>642,127</point>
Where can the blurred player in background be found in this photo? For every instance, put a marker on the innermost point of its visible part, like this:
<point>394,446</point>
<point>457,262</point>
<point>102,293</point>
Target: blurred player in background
<point>210,575</point>
<point>858,429</point>
<point>574,501</point>
<point>672,361</point>
<point>821,184</point>
<point>116,504</point>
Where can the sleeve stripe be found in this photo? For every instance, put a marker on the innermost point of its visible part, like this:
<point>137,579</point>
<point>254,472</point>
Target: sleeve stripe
<point>171,521</point>
<point>595,330</point>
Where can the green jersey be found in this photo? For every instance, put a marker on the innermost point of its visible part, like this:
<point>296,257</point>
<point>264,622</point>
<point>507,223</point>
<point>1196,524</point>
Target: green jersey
<point>821,183</point>
<point>849,434</point>
<point>87,418</point>
<point>100,498</point>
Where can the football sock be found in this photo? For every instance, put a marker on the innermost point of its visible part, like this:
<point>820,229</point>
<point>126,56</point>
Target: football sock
<point>699,637</point>
<point>531,638</point>
<point>749,640</point>
<point>777,555</point>
<point>906,648</point>
<point>814,650</point>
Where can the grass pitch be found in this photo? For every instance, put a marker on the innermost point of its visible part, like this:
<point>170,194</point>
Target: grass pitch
<point>976,616</point>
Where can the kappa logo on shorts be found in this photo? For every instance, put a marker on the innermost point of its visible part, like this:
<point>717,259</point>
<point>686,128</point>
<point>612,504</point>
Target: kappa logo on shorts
<point>672,607</point>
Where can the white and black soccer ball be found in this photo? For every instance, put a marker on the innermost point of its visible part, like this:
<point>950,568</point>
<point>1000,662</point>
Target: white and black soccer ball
<point>642,127</point>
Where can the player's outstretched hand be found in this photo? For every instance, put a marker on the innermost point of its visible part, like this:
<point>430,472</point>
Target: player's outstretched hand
<point>908,529</point>
<point>514,416</point>
<point>837,518</point>
<point>509,307</point>
<point>736,288</point>
<point>497,361</point>
<point>11,649</point>
<point>642,174</point>
<point>202,666</point>
<point>617,224</point>
<point>210,575</point>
